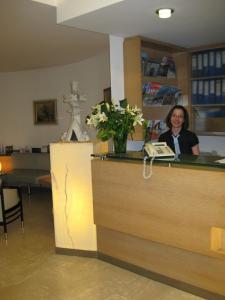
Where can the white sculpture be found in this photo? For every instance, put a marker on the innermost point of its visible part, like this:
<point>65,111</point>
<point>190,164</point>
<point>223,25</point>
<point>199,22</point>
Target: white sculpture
<point>75,128</point>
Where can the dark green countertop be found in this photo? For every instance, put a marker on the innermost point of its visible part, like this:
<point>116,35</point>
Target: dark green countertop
<point>191,160</point>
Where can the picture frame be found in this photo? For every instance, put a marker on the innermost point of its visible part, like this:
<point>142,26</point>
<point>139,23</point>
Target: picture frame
<point>107,95</point>
<point>45,112</point>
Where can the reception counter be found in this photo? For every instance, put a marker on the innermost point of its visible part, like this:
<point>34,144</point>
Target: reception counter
<point>170,227</point>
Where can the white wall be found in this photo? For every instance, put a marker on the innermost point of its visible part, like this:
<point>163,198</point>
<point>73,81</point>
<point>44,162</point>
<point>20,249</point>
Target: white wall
<point>18,90</point>
<point>213,144</point>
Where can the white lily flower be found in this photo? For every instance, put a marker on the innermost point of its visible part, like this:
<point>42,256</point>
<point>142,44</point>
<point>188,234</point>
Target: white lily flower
<point>103,117</point>
<point>107,106</point>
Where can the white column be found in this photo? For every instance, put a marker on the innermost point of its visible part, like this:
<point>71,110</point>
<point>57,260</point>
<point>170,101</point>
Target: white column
<point>116,67</point>
<point>72,196</point>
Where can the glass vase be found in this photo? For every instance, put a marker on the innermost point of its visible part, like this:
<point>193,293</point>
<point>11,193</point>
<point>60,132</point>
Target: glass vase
<point>120,142</point>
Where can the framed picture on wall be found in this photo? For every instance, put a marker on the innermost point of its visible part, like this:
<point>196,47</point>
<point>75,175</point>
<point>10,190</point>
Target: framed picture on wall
<point>45,112</point>
<point>107,95</point>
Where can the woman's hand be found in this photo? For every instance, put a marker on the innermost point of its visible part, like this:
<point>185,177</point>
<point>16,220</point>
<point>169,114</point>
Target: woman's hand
<point>195,150</point>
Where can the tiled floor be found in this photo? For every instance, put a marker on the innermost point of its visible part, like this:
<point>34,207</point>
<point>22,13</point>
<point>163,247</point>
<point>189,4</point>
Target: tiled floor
<point>30,270</point>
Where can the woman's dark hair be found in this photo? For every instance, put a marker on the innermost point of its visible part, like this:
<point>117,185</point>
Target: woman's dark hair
<point>186,117</point>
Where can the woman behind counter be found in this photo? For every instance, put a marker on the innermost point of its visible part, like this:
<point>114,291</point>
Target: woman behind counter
<point>178,138</point>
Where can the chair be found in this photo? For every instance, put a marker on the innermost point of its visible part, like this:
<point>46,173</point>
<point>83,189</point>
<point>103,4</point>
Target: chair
<point>11,207</point>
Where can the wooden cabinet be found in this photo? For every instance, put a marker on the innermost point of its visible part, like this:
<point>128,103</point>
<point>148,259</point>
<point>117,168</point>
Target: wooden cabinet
<point>134,79</point>
<point>208,91</point>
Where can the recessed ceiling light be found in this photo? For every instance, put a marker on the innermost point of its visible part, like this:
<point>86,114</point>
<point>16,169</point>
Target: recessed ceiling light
<point>164,13</point>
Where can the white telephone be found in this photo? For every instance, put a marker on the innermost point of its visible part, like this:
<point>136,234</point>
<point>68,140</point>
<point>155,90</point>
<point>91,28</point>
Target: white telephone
<point>155,150</point>
<point>159,149</point>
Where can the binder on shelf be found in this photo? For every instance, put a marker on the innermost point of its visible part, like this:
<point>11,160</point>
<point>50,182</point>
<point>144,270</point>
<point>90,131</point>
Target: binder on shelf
<point>199,65</point>
<point>219,69</point>
<point>194,92</point>
<point>223,91</point>
<point>212,92</point>
<point>223,61</point>
<point>211,63</point>
<point>205,99</point>
<point>194,65</point>
<point>200,92</point>
<point>218,91</point>
<point>205,64</point>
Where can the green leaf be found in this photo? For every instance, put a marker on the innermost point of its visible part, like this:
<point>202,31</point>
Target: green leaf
<point>123,103</point>
<point>104,108</point>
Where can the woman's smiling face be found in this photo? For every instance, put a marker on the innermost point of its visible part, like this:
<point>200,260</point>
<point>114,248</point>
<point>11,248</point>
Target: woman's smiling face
<point>177,118</point>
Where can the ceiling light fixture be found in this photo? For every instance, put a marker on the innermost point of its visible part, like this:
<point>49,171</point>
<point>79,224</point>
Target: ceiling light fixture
<point>164,13</point>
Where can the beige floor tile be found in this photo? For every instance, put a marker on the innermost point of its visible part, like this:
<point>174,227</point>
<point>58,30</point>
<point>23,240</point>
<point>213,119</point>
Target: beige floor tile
<point>30,269</point>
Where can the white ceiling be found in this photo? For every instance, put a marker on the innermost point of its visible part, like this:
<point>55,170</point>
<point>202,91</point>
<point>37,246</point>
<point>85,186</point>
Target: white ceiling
<point>30,38</point>
<point>194,22</point>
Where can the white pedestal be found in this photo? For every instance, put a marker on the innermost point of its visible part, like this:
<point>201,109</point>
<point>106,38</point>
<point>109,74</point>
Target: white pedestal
<point>72,196</point>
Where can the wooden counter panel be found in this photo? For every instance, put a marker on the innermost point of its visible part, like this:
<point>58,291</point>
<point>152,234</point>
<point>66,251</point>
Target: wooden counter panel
<point>177,206</point>
<point>195,269</point>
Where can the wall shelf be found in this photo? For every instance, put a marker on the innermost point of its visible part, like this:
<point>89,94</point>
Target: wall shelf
<point>208,105</point>
<point>160,79</point>
<point>208,77</point>
<point>134,79</point>
<point>208,91</point>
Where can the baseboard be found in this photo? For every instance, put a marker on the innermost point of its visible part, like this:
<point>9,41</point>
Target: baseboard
<point>84,253</point>
<point>162,278</point>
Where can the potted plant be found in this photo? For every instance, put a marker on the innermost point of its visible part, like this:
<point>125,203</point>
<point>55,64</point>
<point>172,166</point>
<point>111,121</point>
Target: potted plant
<point>115,121</point>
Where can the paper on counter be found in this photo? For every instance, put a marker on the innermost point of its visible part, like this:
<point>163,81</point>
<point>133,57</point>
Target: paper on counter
<point>221,161</point>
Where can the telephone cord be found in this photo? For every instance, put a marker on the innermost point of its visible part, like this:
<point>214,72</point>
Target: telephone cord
<point>145,175</point>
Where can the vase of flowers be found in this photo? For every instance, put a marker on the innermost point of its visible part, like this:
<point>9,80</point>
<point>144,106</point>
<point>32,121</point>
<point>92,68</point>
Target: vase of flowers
<point>115,121</point>
<point>120,142</point>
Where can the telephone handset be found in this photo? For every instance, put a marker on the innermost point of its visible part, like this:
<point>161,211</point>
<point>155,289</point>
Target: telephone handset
<point>159,149</point>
